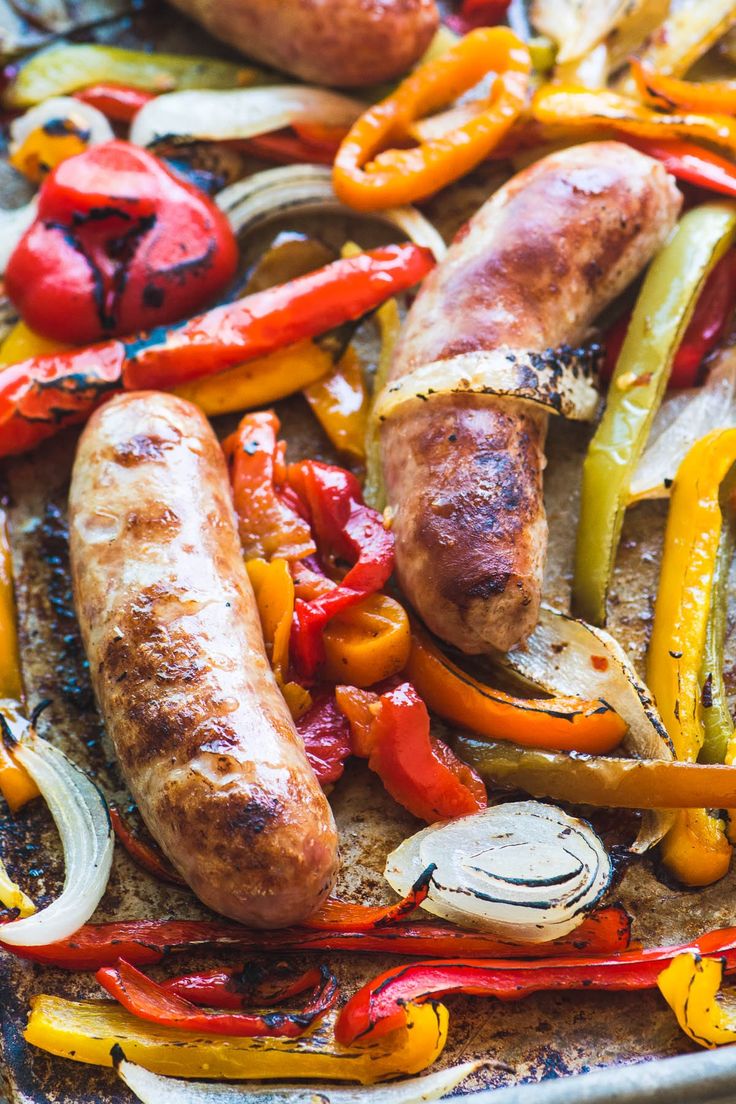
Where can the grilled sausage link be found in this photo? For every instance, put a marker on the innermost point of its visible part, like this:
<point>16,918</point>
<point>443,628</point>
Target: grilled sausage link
<point>169,622</point>
<point>463,474</point>
<point>346,43</point>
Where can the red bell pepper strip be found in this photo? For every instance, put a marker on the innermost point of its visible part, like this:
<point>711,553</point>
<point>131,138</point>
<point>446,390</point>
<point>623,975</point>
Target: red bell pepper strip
<point>145,942</point>
<point>118,102</point>
<point>419,771</point>
<point>345,529</point>
<point>690,162</point>
<point>43,395</point>
<point>379,1006</point>
<point>335,915</point>
<point>326,735</point>
<point>271,519</point>
<point>477,13</point>
<point>261,323</point>
<point>150,1001</point>
<point>119,244</point>
<point>249,987</point>
<point>146,855</point>
<point>288,148</point>
<point>707,326</point>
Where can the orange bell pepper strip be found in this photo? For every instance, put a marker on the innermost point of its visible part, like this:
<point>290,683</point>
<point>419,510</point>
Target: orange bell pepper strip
<point>273,588</point>
<point>270,519</point>
<point>369,176</point>
<point>557,724</point>
<point>339,401</point>
<point>663,91</point>
<point>418,770</point>
<point>367,643</point>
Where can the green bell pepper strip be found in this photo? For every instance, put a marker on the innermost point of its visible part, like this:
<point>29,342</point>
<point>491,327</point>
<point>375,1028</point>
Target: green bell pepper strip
<point>717,722</point>
<point>663,310</point>
<point>67,68</point>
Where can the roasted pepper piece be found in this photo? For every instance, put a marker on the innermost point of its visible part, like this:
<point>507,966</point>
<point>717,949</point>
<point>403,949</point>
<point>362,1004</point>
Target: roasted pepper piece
<point>661,316</point>
<point>665,92</point>
<point>581,109</point>
<point>91,266</point>
<point>690,162</point>
<point>250,987</point>
<point>260,382</point>
<point>687,34</point>
<point>561,724</point>
<point>614,783</point>
<point>42,395</point>
<point>326,737</point>
<point>389,325</point>
<point>339,401</point>
<point>87,1031</point>
<point>46,147</point>
<point>270,519</point>
<point>368,643</point>
<point>66,68</point>
<point>22,343</point>
<point>695,850</point>
<point>718,728</point>
<point>119,102</point>
<point>691,986</point>
<point>149,1001</point>
<point>418,770</point>
<point>345,529</point>
<point>12,896</point>
<point>368,176</point>
<point>147,855</point>
<point>273,588</point>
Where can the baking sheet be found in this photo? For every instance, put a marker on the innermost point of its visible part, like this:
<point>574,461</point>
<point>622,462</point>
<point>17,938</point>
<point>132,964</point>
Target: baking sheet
<point>544,1037</point>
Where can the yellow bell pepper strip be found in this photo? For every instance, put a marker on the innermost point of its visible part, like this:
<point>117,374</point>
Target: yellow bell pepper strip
<point>87,1031</point>
<point>665,92</point>
<point>691,986</point>
<point>12,896</point>
<point>22,343</point>
<point>368,176</point>
<point>273,587</point>
<point>580,108</point>
<point>661,316</point>
<point>561,724</point>
<point>695,850</point>
<point>367,643</point>
<point>615,783</point>
<point>46,147</point>
<point>339,401</point>
<point>260,382</point>
<point>66,68</point>
<point>718,728</point>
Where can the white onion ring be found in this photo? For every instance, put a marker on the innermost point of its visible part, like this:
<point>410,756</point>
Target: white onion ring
<point>523,871</point>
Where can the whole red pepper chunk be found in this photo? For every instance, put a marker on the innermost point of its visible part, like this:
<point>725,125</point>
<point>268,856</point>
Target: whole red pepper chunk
<point>119,244</point>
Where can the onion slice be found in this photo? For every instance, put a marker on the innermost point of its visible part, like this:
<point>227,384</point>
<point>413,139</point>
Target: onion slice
<point>525,871</point>
<point>682,420</point>
<point>80,813</point>
<point>567,656</point>
<point>152,1088</point>
<point>296,189</point>
<point>222,114</point>
<point>14,222</point>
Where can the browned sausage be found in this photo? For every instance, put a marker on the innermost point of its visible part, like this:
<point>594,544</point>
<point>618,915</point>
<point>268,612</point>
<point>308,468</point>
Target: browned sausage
<point>337,42</point>
<point>169,622</point>
<point>463,474</point>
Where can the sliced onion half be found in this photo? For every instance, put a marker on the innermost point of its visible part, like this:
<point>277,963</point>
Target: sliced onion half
<point>152,1088</point>
<point>80,813</point>
<point>299,189</point>
<point>683,419</point>
<point>567,656</point>
<point>523,871</point>
<point>239,113</point>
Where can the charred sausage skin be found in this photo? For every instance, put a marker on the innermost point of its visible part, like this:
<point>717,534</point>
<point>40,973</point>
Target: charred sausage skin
<point>345,43</point>
<point>463,474</point>
<point>170,626</point>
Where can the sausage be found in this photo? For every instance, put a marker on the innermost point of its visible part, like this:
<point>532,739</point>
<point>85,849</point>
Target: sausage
<point>170,626</point>
<point>463,473</point>
<point>346,43</point>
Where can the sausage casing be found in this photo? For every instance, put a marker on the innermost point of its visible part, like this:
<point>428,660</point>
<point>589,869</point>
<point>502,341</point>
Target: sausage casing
<point>169,622</point>
<point>463,474</point>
